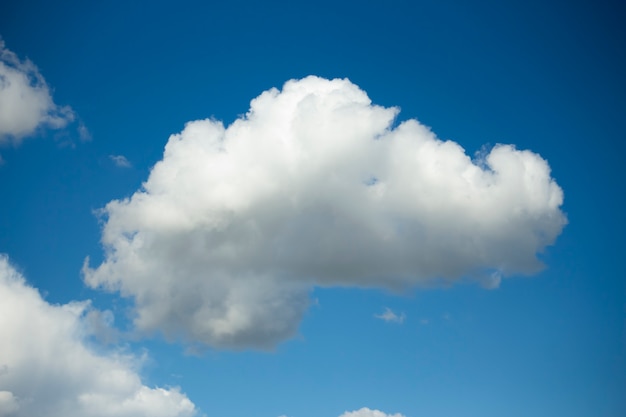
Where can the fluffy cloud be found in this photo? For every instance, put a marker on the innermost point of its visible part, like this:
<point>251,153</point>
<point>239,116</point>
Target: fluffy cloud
<point>315,187</point>
<point>366,412</point>
<point>25,100</point>
<point>47,368</point>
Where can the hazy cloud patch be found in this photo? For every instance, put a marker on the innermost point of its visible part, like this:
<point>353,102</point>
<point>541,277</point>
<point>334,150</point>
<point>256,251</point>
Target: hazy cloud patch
<point>83,133</point>
<point>120,161</point>
<point>390,317</point>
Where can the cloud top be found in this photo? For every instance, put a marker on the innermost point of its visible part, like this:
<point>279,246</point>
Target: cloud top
<point>25,99</point>
<point>366,412</point>
<point>315,187</point>
<point>48,369</point>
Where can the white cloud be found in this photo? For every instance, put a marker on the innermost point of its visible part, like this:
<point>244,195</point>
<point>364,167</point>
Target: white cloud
<point>366,412</point>
<point>100,325</point>
<point>47,368</point>
<point>389,316</point>
<point>314,187</point>
<point>120,160</point>
<point>25,99</point>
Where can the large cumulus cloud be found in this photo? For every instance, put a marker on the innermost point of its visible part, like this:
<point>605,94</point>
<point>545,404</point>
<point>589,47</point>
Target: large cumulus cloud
<point>314,186</point>
<point>25,99</point>
<point>47,368</point>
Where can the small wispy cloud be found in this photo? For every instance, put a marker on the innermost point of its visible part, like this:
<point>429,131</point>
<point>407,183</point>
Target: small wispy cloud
<point>491,281</point>
<point>390,317</point>
<point>83,132</point>
<point>366,412</point>
<point>120,161</point>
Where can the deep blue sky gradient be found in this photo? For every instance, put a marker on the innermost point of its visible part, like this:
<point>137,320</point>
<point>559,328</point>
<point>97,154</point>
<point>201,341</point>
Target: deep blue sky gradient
<point>544,76</point>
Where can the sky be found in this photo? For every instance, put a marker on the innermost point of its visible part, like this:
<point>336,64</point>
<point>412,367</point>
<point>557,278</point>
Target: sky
<point>328,209</point>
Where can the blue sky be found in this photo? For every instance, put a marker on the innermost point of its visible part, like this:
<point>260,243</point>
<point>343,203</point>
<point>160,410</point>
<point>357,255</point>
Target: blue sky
<point>307,335</point>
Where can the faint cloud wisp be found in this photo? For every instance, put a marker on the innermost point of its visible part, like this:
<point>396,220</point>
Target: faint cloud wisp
<point>390,317</point>
<point>120,161</point>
